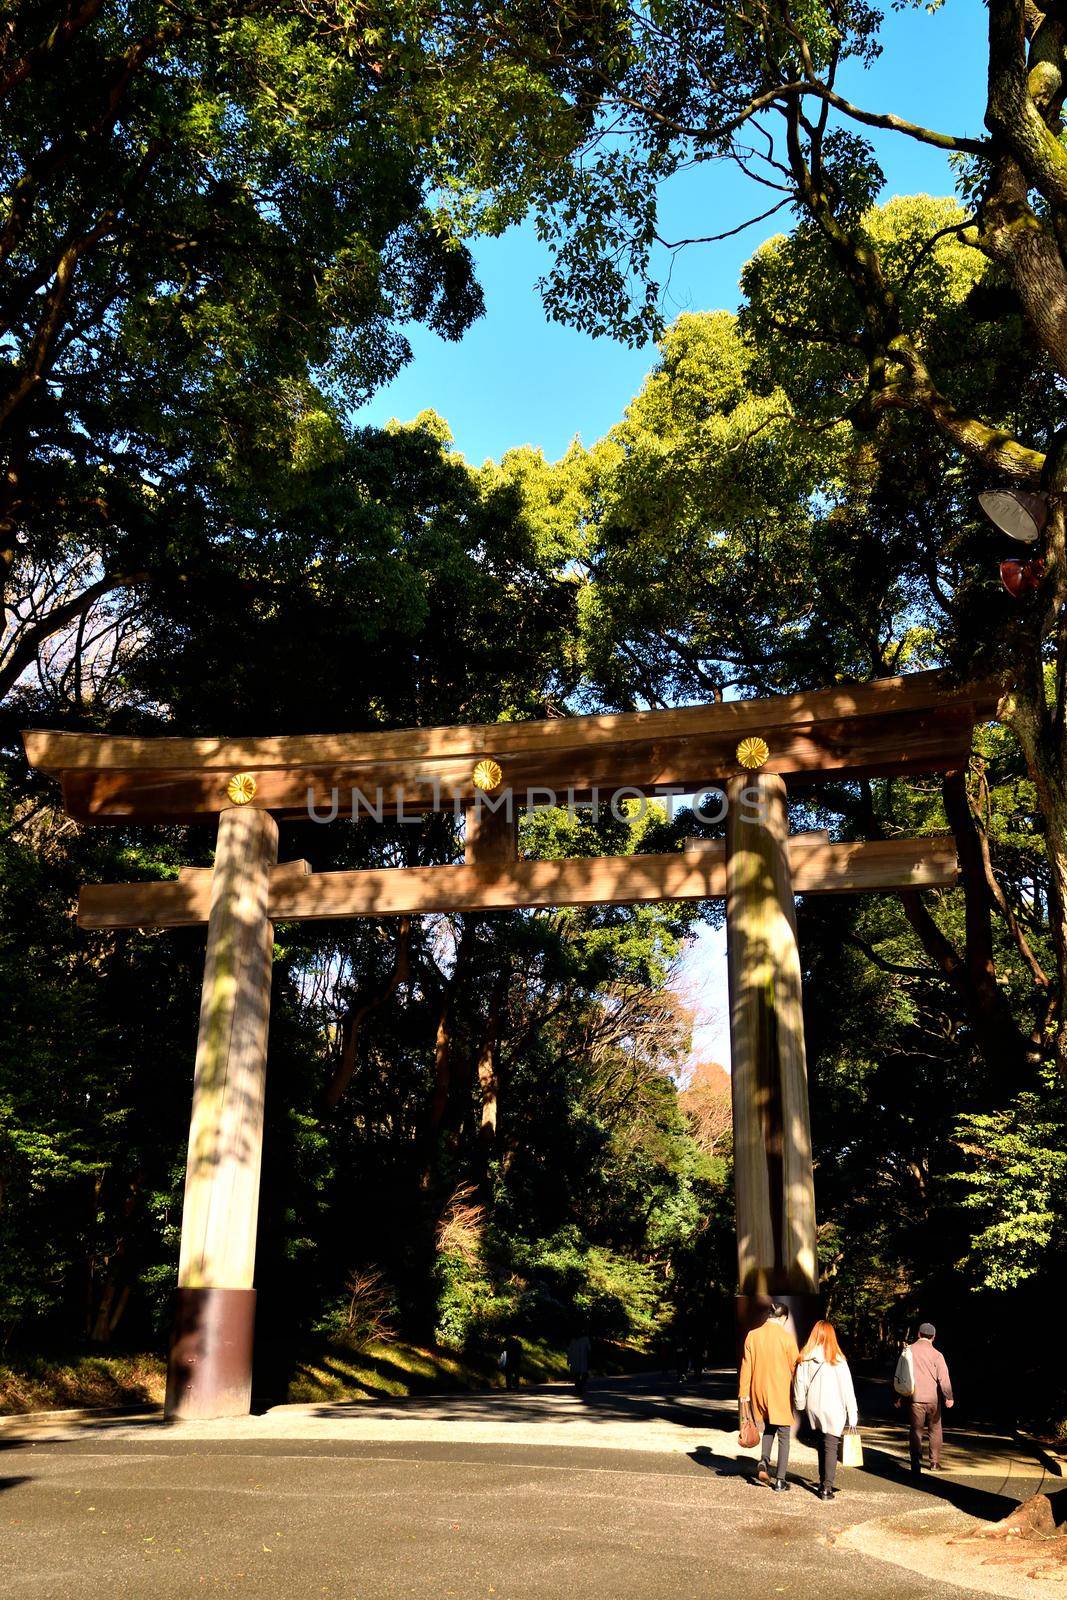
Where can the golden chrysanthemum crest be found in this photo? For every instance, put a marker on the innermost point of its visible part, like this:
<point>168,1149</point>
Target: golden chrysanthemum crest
<point>487,775</point>
<point>753,752</point>
<point>241,788</point>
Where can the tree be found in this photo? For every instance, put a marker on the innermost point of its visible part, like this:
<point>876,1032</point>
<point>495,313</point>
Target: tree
<point>739,537</point>
<point>737,540</point>
<point>215,219</point>
<point>705,1102</point>
<point>481,1109</point>
<point>686,84</point>
<point>383,577</point>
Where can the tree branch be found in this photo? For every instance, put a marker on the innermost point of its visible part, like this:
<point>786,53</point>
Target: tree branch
<point>358,1014</point>
<point>30,640</point>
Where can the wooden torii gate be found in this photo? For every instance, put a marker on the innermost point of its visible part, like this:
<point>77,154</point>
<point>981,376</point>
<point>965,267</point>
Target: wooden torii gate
<point>914,724</point>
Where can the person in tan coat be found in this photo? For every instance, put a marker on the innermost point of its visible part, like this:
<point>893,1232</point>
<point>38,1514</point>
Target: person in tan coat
<point>766,1390</point>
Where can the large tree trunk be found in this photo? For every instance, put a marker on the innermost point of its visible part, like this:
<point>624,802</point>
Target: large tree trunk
<point>111,1287</point>
<point>1027,714</point>
<point>442,1060</point>
<point>972,975</point>
<point>1039,720</point>
<point>441,1109</point>
<point>369,1001</point>
<point>487,1067</point>
<point>1004,1046</point>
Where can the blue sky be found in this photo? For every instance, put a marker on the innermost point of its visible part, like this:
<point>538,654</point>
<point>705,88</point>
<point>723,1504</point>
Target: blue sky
<point>517,378</point>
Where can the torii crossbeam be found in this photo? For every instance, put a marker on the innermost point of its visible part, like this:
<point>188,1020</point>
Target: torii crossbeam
<point>919,723</point>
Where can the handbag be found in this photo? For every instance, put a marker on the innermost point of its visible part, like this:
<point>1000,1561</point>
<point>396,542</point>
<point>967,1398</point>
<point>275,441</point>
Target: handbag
<point>748,1435</point>
<point>851,1448</point>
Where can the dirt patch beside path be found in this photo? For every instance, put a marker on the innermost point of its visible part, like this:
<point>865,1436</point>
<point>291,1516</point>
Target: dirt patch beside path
<point>929,1542</point>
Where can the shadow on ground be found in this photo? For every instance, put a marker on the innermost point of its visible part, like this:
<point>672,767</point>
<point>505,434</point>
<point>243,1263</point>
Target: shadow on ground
<point>975,1502</point>
<point>703,1404</point>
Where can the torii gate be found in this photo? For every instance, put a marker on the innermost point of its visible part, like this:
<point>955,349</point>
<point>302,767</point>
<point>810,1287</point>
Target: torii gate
<point>914,724</point>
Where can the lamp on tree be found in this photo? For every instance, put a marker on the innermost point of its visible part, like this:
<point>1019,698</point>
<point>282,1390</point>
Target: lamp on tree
<point>1021,514</point>
<point>1022,577</point>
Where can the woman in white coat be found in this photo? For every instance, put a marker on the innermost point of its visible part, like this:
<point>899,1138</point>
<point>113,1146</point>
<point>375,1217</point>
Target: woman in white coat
<point>823,1388</point>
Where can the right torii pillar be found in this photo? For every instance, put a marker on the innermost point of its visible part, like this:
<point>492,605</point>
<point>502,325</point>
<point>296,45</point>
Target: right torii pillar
<point>774,1183</point>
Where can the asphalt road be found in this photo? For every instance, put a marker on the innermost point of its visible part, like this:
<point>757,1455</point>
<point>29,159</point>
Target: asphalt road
<point>300,1519</point>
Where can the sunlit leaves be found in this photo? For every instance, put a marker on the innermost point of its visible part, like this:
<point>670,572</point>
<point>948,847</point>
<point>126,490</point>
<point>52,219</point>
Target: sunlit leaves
<point>1013,1181</point>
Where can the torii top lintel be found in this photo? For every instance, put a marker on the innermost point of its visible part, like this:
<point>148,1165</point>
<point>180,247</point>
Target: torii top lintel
<point>917,723</point>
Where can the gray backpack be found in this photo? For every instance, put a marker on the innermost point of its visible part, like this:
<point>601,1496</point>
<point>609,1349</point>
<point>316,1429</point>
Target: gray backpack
<point>904,1376</point>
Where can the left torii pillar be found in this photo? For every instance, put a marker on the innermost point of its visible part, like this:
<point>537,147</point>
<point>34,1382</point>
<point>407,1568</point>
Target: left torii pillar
<point>210,1368</point>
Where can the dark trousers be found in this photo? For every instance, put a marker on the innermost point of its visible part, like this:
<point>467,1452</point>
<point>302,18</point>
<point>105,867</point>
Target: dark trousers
<point>829,1447</point>
<point>784,1434</point>
<point>923,1416</point>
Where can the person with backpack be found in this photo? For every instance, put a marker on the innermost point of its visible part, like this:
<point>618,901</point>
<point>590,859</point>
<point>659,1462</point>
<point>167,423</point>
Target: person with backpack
<point>823,1388</point>
<point>922,1381</point>
<point>766,1390</point>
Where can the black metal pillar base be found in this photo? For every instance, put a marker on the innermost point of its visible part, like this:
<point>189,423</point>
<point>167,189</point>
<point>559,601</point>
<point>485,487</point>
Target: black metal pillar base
<point>209,1373</point>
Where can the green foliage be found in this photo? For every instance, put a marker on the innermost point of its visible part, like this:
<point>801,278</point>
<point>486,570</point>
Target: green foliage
<point>380,582</point>
<point>740,539</point>
<point>41,1384</point>
<point>403,586</point>
<point>278,191</point>
<point>335,1370</point>
<point>1014,1186</point>
<point>471,1313</point>
<point>215,221</point>
<point>943,290</point>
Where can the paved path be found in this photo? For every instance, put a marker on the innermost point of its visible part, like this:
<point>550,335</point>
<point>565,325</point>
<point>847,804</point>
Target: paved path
<point>633,1493</point>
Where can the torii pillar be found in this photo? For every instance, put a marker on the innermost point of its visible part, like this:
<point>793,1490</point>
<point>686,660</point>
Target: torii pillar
<point>210,1369</point>
<point>774,1183</point>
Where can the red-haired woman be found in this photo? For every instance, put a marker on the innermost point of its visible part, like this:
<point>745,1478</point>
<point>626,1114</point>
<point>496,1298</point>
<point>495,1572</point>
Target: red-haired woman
<point>823,1388</point>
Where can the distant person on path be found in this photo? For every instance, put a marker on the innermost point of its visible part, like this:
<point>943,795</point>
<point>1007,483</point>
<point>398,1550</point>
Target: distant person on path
<point>766,1390</point>
<point>578,1360</point>
<point>824,1389</point>
<point>512,1362</point>
<point>932,1392</point>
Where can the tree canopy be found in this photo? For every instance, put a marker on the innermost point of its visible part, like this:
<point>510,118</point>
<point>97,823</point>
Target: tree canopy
<point>678,86</point>
<point>217,221</point>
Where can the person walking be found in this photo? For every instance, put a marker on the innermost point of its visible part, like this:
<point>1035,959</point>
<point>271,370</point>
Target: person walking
<point>578,1360</point>
<point>766,1390</point>
<point>931,1396</point>
<point>824,1389</point>
<point>512,1359</point>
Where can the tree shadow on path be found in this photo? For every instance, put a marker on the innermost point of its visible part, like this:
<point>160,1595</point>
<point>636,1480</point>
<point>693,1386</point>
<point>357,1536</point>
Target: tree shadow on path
<point>986,1504</point>
<point>989,1504</point>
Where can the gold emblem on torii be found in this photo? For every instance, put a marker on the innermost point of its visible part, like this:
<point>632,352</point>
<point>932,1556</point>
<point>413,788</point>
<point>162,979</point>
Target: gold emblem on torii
<point>241,788</point>
<point>487,775</point>
<point>753,752</point>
